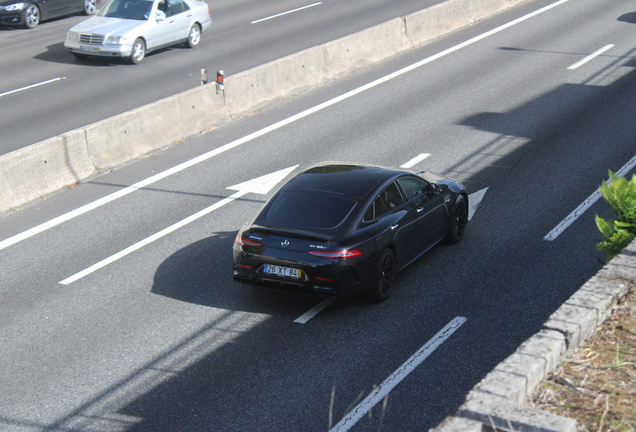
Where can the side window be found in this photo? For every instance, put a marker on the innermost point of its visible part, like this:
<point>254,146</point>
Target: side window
<point>412,186</point>
<point>163,6</point>
<point>376,209</point>
<point>391,197</point>
<point>176,6</point>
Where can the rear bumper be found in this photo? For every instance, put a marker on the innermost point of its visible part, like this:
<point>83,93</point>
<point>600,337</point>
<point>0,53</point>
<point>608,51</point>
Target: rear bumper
<point>297,288</point>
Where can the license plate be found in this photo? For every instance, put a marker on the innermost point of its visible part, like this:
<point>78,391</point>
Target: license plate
<point>283,271</point>
<point>89,48</point>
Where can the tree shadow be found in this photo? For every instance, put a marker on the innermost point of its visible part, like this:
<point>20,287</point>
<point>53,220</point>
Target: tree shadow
<point>628,18</point>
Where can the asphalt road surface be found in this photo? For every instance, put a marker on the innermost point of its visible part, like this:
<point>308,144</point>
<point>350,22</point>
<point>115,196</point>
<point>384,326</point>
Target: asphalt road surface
<point>117,319</point>
<point>45,91</point>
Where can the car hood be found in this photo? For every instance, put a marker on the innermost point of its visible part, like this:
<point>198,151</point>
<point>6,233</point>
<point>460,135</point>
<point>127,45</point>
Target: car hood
<point>107,26</point>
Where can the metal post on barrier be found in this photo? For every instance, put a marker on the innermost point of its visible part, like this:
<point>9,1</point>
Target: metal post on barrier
<point>204,76</point>
<point>219,82</point>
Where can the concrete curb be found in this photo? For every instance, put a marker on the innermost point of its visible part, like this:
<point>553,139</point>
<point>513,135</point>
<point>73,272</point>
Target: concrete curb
<point>51,165</point>
<point>499,399</point>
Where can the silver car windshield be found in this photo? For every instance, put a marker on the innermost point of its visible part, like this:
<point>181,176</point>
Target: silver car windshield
<point>127,9</point>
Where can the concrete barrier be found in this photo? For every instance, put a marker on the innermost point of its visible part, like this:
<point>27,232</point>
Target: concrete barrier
<point>373,45</point>
<point>127,136</point>
<point>251,90</point>
<point>446,17</point>
<point>35,171</point>
<point>43,168</point>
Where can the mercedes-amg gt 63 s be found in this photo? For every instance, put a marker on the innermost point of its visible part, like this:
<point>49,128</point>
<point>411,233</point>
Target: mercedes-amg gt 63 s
<point>341,229</point>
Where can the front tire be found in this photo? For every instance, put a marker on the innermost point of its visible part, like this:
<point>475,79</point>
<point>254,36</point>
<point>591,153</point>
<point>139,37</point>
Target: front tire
<point>459,219</point>
<point>31,16</point>
<point>384,276</point>
<point>90,7</point>
<point>194,37</point>
<point>138,51</point>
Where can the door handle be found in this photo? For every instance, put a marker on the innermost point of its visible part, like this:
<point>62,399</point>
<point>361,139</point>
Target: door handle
<point>419,209</point>
<point>394,226</point>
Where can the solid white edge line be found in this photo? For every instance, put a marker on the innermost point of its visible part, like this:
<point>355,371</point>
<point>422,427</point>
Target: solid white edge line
<point>591,57</point>
<point>285,13</point>
<point>88,207</point>
<point>314,311</point>
<point>417,159</point>
<point>407,367</point>
<point>572,217</point>
<point>148,240</point>
<point>30,87</point>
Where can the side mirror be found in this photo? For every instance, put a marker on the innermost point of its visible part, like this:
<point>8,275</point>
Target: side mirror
<point>433,189</point>
<point>160,16</point>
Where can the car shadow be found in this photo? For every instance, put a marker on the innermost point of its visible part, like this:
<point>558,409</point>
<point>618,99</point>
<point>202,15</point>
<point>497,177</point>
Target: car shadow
<point>56,53</point>
<point>201,273</point>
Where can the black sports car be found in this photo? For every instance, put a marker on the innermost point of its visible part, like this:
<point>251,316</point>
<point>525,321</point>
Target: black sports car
<point>341,229</point>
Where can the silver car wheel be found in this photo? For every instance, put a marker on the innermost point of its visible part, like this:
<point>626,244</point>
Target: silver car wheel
<point>90,6</point>
<point>138,51</point>
<point>195,36</point>
<point>31,16</point>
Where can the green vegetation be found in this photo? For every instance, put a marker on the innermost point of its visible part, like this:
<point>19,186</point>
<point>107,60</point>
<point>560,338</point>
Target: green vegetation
<point>620,195</point>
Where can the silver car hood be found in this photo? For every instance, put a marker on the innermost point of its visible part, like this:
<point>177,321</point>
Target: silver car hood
<point>108,26</point>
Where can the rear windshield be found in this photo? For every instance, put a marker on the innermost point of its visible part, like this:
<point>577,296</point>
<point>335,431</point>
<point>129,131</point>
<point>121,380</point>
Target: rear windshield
<point>306,210</point>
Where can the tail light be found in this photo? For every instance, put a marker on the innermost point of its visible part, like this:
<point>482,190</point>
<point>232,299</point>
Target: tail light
<point>344,254</point>
<point>242,241</point>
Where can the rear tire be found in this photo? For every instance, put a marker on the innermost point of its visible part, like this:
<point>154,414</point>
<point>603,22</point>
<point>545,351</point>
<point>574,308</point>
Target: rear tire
<point>31,16</point>
<point>138,51</point>
<point>194,37</point>
<point>384,276</point>
<point>459,219</point>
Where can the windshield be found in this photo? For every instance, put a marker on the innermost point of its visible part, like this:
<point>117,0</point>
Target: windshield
<point>127,9</point>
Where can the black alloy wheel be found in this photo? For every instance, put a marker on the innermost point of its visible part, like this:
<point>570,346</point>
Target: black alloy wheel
<point>385,276</point>
<point>458,222</point>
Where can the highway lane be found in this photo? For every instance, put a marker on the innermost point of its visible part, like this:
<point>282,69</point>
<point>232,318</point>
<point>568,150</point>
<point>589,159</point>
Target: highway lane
<point>163,339</point>
<point>86,92</point>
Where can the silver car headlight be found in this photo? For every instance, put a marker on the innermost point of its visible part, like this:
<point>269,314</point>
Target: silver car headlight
<point>72,36</point>
<point>116,40</point>
<point>14,7</point>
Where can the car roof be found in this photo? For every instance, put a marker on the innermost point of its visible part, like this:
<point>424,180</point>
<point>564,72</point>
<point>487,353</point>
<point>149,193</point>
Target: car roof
<point>349,180</point>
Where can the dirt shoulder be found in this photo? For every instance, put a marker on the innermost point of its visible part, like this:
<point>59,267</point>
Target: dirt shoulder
<point>596,384</point>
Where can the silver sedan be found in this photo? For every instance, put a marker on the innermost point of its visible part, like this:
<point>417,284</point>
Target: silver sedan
<point>133,28</point>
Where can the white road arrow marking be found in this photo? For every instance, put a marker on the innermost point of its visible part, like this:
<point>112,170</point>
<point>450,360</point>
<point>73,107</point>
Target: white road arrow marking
<point>417,159</point>
<point>261,185</point>
<point>264,184</point>
<point>474,199</point>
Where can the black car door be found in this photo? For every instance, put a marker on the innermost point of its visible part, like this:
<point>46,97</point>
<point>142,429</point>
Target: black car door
<point>401,217</point>
<point>431,212</point>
